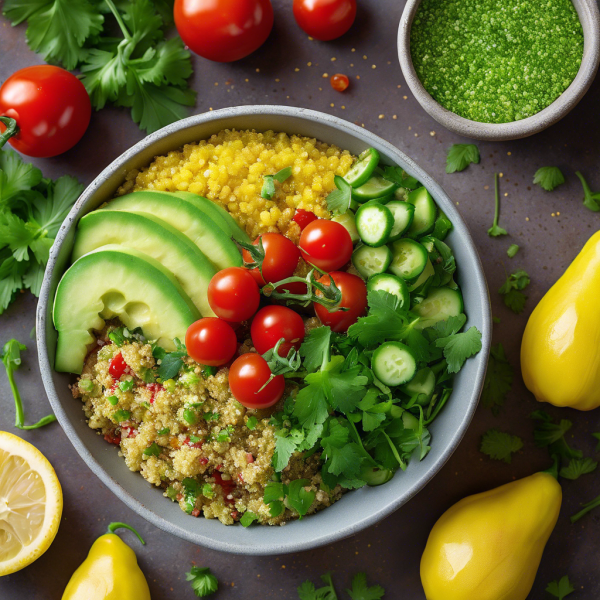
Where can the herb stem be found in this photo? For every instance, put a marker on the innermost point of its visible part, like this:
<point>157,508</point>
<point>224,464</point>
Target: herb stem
<point>394,451</point>
<point>496,200</point>
<point>117,16</point>
<point>11,130</point>
<point>587,508</point>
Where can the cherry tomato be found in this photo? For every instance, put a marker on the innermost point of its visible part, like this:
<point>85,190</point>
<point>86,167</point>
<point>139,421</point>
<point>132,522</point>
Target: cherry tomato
<point>117,366</point>
<point>272,323</point>
<point>326,245</point>
<point>325,19</point>
<point>354,297</point>
<point>51,107</point>
<point>281,258</point>
<point>211,342</point>
<point>233,294</point>
<point>304,217</point>
<point>247,375</point>
<point>339,82</point>
<point>223,30</point>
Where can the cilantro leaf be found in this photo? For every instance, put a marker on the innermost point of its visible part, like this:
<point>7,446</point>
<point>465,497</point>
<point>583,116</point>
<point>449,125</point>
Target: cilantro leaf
<point>401,177</point>
<point>315,348</point>
<point>360,591</point>
<point>560,588</point>
<point>511,292</point>
<point>498,379</point>
<point>459,347</point>
<point>338,201</point>
<point>548,434</point>
<point>170,362</point>
<point>495,230</point>
<point>342,457</point>
<point>578,467</point>
<point>499,445</point>
<point>170,64</point>
<point>15,176</point>
<point>311,406</point>
<point>512,250</point>
<point>299,498</point>
<point>307,590</point>
<point>248,518</point>
<point>549,178</point>
<point>460,156</point>
<point>203,582</point>
<point>591,199</point>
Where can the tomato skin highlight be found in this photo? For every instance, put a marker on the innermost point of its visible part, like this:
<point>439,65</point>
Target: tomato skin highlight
<point>117,366</point>
<point>223,30</point>
<point>247,375</point>
<point>272,323</point>
<point>303,218</point>
<point>211,341</point>
<point>325,20</point>
<point>281,258</point>
<point>354,297</point>
<point>233,294</point>
<point>51,107</point>
<point>326,245</point>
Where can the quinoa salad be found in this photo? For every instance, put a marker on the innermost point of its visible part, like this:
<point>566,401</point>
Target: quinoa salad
<point>262,322</point>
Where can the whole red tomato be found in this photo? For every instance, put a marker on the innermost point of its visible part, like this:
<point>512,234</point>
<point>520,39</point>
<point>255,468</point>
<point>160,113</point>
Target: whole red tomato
<point>326,245</point>
<point>211,342</point>
<point>325,19</point>
<point>272,323</point>
<point>51,107</point>
<point>354,297</point>
<point>247,375</point>
<point>280,261</point>
<point>233,294</point>
<point>223,30</point>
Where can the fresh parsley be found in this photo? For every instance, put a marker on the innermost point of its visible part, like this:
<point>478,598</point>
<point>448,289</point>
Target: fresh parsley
<point>268,188</point>
<point>338,201</point>
<point>591,199</point>
<point>560,588</point>
<point>548,434</point>
<point>295,494</point>
<point>460,156</point>
<point>169,363</point>
<point>360,590</point>
<point>498,379</point>
<point>512,293</point>
<point>251,423</point>
<point>499,445</point>
<point>460,346</point>
<point>578,467</point>
<point>512,250</point>
<point>248,518</point>
<point>595,503</point>
<point>549,178</point>
<point>495,230</point>
<point>203,582</point>
<point>308,591</point>
<point>152,450</point>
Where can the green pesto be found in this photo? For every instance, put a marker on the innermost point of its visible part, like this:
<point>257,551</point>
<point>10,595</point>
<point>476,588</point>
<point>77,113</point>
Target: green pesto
<point>496,61</point>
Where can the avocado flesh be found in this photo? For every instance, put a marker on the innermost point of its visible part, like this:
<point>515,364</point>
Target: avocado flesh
<point>115,281</point>
<point>155,238</point>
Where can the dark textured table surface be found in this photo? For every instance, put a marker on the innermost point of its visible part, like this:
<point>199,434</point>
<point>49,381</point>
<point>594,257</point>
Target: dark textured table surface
<point>550,228</point>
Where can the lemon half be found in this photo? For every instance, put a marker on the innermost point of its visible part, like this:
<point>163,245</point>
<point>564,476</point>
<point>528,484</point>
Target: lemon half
<point>30,503</point>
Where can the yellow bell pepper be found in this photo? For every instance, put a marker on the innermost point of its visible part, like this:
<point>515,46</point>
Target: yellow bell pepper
<point>110,571</point>
<point>560,353</point>
<point>489,546</point>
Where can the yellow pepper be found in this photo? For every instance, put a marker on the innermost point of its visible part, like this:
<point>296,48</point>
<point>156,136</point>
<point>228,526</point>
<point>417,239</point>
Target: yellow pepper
<point>560,354</point>
<point>489,546</point>
<point>110,571</point>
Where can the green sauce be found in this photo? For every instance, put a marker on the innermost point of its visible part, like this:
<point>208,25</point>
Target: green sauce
<point>496,61</point>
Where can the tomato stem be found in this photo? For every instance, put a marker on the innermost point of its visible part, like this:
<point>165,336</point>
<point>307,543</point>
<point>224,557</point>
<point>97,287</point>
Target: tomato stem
<point>114,526</point>
<point>11,130</point>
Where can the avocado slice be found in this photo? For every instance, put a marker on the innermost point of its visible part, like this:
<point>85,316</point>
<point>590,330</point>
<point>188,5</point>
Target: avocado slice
<point>115,281</point>
<point>187,218</point>
<point>155,238</point>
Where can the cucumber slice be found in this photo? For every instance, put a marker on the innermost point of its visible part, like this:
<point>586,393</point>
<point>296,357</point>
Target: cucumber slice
<point>393,363</point>
<point>363,168</point>
<point>425,212</point>
<point>370,261</point>
<point>376,187</point>
<point>439,305</point>
<point>428,271</point>
<point>403,213</point>
<point>391,284</point>
<point>423,383</point>
<point>348,221</point>
<point>409,259</point>
<point>374,222</point>
<point>374,476</point>
<point>401,194</point>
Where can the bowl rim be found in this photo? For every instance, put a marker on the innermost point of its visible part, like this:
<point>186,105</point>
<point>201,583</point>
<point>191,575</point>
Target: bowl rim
<point>43,318</point>
<point>589,17</point>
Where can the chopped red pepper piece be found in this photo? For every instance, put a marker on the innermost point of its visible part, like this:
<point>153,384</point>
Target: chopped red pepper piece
<point>117,366</point>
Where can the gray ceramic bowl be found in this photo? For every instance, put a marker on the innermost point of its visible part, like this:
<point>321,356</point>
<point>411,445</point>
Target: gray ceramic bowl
<point>357,509</point>
<point>590,22</point>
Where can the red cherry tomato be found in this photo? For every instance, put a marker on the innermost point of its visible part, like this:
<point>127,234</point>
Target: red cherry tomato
<point>247,375</point>
<point>326,245</point>
<point>223,30</point>
<point>354,297</point>
<point>325,19</point>
<point>117,366</point>
<point>339,82</point>
<point>211,342</point>
<point>281,258</point>
<point>51,107</point>
<point>304,217</point>
<point>233,294</point>
<point>272,323</point>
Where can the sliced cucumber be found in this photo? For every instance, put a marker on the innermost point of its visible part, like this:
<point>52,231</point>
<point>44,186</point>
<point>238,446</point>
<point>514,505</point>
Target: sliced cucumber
<point>348,221</point>
<point>374,476</point>
<point>425,212</point>
<point>391,284</point>
<point>409,259</point>
<point>439,305</point>
<point>374,222</point>
<point>403,213</point>
<point>393,363</point>
<point>363,168</point>
<point>401,194</point>
<point>370,261</point>
<point>376,187</point>
<point>423,384</point>
<point>428,271</point>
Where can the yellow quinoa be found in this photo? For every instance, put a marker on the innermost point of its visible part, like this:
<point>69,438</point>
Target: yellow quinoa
<point>229,167</point>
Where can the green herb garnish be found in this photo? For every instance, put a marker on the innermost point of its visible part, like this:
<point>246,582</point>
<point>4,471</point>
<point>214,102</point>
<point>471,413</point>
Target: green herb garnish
<point>248,518</point>
<point>495,230</point>
<point>127,385</point>
<point>152,450</point>
<point>170,362</point>
<point>548,434</point>
<point>203,582</point>
<point>338,201</point>
<point>307,590</point>
<point>549,178</point>
<point>163,431</point>
<point>113,400</point>
<point>499,445</point>
<point>560,588</point>
<point>268,188</point>
<point>460,156</point>
<point>595,503</point>
<point>401,177</point>
<point>360,590</point>
<point>591,199</point>
<point>511,290</point>
<point>121,415</point>
<point>251,423</point>
<point>578,467</point>
<point>498,379</point>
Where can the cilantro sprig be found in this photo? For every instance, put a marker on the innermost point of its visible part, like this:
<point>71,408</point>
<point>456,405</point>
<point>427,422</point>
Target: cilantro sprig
<point>512,290</point>
<point>203,582</point>
<point>560,588</point>
<point>549,178</point>
<point>170,362</point>
<point>460,156</point>
<point>338,201</point>
<point>495,230</point>
<point>360,589</point>
<point>591,199</point>
<point>499,445</point>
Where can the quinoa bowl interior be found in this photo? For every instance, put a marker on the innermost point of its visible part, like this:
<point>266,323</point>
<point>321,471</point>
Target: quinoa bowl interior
<point>355,510</point>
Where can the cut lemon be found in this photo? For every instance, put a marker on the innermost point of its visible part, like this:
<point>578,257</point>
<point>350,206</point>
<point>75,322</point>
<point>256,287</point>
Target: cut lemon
<point>30,503</point>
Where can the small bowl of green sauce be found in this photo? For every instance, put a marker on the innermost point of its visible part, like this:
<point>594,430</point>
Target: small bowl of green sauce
<point>499,69</point>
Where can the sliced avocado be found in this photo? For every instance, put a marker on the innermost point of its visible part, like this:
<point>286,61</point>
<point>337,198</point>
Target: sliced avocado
<point>114,281</point>
<point>212,241</point>
<point>155,238</point>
